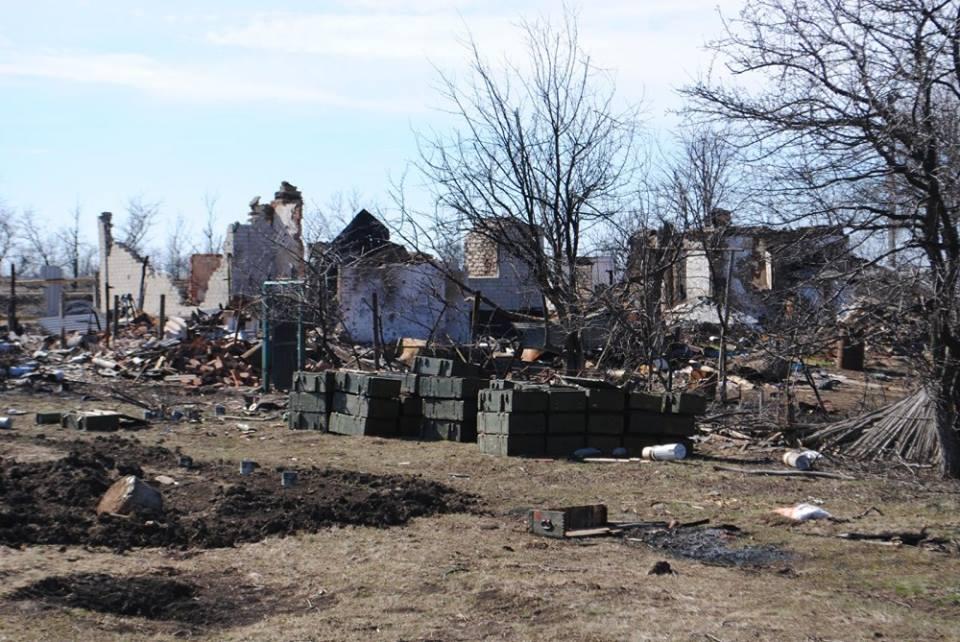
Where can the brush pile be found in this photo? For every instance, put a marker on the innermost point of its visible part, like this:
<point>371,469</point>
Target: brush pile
<point>904,430</point>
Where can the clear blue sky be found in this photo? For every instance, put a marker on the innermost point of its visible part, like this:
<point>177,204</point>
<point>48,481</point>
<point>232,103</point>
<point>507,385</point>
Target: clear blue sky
<point>104,99</point>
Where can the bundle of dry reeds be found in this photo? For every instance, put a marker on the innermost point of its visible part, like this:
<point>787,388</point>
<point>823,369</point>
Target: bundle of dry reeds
<point>906,429</point>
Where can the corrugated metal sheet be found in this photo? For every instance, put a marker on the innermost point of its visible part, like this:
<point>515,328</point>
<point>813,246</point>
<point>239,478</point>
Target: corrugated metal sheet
<point>72,323</point>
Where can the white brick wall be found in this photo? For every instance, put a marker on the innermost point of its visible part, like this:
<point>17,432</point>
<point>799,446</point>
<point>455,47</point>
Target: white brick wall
<point>411,298</point>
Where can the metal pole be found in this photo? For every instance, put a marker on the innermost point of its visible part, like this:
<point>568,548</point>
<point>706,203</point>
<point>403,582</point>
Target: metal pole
<point>163,316</point>
<point>116,315</point>
<point>265,342</point>
<point>723,328</point>
<point>12,311</point>
<point>106,318</point>
<point>63,319</point>
<point>300,337</point>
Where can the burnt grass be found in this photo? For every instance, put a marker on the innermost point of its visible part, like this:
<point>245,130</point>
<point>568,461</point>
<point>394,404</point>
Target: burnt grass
<point>709,545</point>
<point>197,602</point>
<point>212,506</point>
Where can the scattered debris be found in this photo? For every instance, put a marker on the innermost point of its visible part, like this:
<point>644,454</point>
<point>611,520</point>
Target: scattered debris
<point>803,512</point>
<point>784,473</point>
<point>661,567</point>
<point>801,459</point>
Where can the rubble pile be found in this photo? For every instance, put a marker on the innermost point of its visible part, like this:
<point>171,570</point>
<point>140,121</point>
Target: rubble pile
<point>200,351</point>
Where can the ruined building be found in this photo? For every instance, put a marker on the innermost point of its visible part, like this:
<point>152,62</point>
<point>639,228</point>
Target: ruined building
<point>499,274</point>
<point>268,246</point>
<point>771,267</point>
<point>414,297</point>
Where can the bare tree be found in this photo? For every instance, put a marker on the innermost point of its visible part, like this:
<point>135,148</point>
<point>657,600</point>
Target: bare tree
<point>141,215</point>
<point>540,157</point>
<point>7,236</point>
<point>698,187</point>
<point>176,260</point>
<point>71,242</point>
<point>323,221</point>
<point>39,247</point>
<point>847,99</point>
<point>213,240</point>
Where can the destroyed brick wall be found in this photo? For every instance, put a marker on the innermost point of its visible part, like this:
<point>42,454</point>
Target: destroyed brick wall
<point>202,268</point>
<point>498,275</point>
<point>121,270</point>
<point>269,246</point>
<point>415,301</point>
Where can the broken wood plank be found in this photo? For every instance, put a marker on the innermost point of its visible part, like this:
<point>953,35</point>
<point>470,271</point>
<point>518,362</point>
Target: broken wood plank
<point>785,473</point>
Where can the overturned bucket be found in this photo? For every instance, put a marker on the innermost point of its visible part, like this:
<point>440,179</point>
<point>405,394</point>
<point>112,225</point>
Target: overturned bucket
<point>801,459</point>
<point>6,423</point>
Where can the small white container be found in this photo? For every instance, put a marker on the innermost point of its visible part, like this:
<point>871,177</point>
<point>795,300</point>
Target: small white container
<point>801,459</point>
<point>6,423</point>
<point>665,452</point>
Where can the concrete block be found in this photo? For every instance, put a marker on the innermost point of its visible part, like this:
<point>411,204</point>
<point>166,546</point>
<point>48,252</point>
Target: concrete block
<point>313,381</point>
<point>645,401</point>
<point>358,383</point>
<point>408,381</point>
<point>447,430</point>
<point>96,420</point>
<point>684,403</point>
<point>564,445</point>
<point>451,410</point>
<point>411,406</point>
<point>437,367</point>
<point>505,423</point>
<point>513,401</point>
<point>605,400</point>
<point>659,424</point>
<point>304,420</point>
<point>355,425</point>
<point>490,444</point>
<point>605,424</point>
<point>450,387</point>
<point>566,424</point>
<point>567,400</point>
<point>605,443</point>
<point>309,402</point>
<point>510,384</point>
<point>408,426</point>
<point>512,445</point>
<point>363,406</point>
<point>130,495</point>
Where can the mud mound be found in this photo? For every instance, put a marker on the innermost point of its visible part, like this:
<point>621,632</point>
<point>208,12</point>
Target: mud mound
<point>200,602</point>
<point>211,506</point>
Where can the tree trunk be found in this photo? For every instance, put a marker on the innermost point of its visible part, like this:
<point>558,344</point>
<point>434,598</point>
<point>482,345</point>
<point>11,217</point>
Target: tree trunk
<point>947,399</point>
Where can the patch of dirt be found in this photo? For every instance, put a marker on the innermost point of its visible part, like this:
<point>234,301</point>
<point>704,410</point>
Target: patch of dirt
<point>710,545</point>
<point>198,602</point>
<point>211,506</point>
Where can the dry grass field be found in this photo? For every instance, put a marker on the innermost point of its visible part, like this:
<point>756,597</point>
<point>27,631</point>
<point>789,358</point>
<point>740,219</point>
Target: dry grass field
<point>479,574</point>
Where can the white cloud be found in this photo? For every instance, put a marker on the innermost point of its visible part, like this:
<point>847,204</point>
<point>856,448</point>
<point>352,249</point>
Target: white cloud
<point>371,35</point>
<point>178,82</point>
